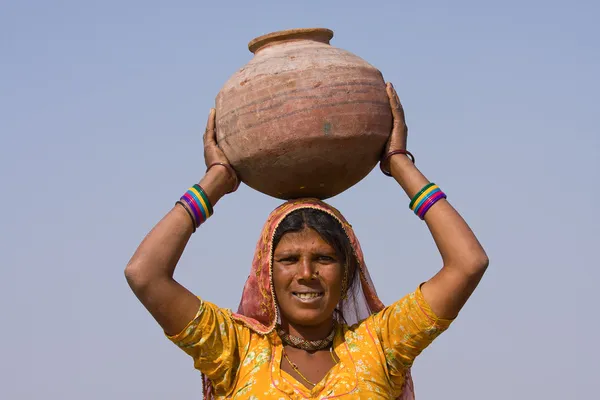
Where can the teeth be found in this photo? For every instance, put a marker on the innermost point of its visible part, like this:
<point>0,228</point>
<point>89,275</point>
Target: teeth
<point>308,295</point>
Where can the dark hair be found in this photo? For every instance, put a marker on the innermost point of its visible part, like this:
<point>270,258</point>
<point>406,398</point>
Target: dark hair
<point>330,230</point>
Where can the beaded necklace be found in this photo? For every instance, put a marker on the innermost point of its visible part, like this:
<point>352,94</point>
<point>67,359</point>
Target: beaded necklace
<point>306,345</point>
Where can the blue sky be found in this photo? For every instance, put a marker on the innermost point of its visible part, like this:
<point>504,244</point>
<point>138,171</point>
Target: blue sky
<point>102,109</point>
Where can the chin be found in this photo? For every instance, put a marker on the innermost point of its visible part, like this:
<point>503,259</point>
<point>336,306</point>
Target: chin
<point>305,318</point>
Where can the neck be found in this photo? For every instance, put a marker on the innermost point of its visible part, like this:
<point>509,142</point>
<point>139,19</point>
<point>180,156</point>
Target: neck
<point>313,332</point>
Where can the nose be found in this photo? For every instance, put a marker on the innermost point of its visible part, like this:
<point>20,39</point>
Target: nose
<point>306,270</point>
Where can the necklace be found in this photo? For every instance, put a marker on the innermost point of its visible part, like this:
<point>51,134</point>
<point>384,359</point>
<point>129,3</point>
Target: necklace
<point>295,367</point>
<point>306,345</point>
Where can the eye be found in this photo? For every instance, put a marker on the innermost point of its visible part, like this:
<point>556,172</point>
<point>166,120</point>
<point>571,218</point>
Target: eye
<point>288,260</point>
<point>326,259</point>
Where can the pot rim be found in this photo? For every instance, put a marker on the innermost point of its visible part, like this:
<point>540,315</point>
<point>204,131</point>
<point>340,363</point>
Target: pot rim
<point>322,35</point>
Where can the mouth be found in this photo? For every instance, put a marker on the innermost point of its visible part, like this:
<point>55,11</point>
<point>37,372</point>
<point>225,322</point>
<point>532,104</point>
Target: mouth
<point>308,296</point>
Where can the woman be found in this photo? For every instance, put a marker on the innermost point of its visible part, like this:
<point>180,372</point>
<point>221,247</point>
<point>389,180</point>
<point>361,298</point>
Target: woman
<point>310,324</point>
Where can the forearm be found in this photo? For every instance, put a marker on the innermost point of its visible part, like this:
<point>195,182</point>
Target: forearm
<point>456,242</point>
<point>464,260</point>
<point>150,270</point>
<point>158,254</point>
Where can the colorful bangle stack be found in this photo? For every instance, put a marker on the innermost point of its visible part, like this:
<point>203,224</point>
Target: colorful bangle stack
<point>196,203</point>
<point>427,197</point>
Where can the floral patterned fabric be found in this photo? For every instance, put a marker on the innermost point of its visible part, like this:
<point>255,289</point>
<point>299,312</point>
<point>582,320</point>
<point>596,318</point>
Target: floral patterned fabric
<point>375,355</point>
<point>239,354</point>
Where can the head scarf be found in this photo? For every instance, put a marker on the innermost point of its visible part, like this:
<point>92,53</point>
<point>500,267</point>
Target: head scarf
<point>258,309</point>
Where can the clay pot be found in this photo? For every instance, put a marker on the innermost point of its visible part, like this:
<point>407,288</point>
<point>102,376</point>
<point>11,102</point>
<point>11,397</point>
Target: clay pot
<point>303,118</point>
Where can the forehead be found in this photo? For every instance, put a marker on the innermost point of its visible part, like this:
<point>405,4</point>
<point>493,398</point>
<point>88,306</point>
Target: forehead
<point>306,239</point>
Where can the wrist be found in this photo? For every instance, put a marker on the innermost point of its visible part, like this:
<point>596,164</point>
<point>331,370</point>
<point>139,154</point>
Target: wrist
<point>400,162</point>
<point>403,170</point>
<point>385,165</point>
<point>217,182</point>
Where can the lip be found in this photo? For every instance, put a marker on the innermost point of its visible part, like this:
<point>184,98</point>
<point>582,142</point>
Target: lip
<point>309,300</point>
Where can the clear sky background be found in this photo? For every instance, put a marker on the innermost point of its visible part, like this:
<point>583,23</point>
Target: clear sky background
<point>102,109</point>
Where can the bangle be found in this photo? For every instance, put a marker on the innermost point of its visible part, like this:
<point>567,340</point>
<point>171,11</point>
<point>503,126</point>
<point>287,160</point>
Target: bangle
<point>197,203</point>
<point>429,193</point>
<point>416,196</point>
<point>425,198</point>
<point>430,202</point>
<point>392,153</point>
<point>231,172</point>
<point>188,213</point>
<point>205,198</point>
<point>192,206</point>
<point>196,197</point>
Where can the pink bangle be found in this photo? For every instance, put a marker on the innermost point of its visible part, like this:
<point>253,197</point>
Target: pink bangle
<point>429,203</point>
<point>231,171</point>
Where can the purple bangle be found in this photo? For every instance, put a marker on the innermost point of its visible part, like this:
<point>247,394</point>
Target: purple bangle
<point>433,200</point>
<point>196,206</point>
<point>433,196</point>
<point>188,212</point>
<point>191,205</point>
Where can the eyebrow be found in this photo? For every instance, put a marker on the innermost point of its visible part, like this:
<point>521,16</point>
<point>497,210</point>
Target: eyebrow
<point>288,253</point>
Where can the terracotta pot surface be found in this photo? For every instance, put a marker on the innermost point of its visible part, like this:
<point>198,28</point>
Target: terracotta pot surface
<point>303,118</point>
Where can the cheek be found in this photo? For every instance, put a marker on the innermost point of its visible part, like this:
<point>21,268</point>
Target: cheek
<point>281,278</point>
<point>333,277</point>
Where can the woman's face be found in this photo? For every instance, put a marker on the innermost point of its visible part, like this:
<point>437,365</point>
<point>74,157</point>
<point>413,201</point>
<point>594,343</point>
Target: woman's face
<point>307,275</point>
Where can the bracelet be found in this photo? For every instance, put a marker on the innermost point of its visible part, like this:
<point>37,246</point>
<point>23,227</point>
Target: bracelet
<point>430,202</point>
<point>425,199</point>
<point>393,153</point>
<point>187,210</point>
<point>198,205</point>
<point>193,207</point>
<point>204,198</point>
<point>231,171</point>
<point>416,196</point>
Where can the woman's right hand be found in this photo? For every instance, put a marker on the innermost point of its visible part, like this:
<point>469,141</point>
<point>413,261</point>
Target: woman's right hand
<point>219,170</point>
<point>212,151</point>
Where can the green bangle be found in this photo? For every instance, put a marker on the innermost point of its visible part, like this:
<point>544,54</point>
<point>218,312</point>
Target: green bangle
<point>416,196</point>
<point>205,198</point>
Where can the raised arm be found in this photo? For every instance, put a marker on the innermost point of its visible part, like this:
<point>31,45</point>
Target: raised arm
<point>150,270</point>
<point>464,260</point>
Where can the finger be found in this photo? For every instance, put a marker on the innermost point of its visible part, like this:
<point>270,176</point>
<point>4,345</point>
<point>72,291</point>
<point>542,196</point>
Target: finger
<point>395,104</point>
<point>393,96</point>
<point>210,133</point>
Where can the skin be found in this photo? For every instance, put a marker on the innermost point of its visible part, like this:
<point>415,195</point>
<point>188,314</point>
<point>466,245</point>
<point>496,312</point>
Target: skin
<point>303,262</point>
<point>464,260</point>
<point>150,270</point>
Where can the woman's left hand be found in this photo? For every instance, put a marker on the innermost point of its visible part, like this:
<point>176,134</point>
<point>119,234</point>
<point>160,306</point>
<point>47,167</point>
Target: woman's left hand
<point>397,140</point>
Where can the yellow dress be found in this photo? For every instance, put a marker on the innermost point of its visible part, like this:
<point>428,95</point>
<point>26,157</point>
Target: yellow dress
<point>374,354</point>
